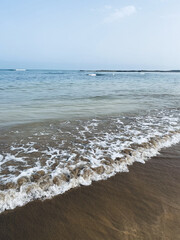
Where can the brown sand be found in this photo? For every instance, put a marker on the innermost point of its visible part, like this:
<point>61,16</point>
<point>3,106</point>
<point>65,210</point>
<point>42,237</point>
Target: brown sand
<point>141,204</point>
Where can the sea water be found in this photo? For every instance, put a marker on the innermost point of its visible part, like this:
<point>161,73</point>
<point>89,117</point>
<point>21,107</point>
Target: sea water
<point>62,129</point>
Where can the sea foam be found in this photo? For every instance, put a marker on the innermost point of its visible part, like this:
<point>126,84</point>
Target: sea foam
<point>65,155</point>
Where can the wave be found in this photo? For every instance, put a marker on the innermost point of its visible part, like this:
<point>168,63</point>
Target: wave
<point>97,74</point>
<point>20,70</point>
<point>59,157</point>
<point>92,74</point>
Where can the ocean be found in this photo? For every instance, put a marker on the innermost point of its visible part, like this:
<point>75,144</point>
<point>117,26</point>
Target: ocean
<point>63,129</point>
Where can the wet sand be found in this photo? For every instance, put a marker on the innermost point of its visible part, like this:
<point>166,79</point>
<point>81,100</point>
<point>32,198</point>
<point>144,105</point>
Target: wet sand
<point>141,204</point>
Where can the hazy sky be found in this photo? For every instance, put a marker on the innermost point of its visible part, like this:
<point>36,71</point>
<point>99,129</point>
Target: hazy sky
<point>90,34</point>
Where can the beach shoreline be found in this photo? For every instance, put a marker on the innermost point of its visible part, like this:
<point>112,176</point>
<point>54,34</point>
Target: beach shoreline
<point>141,204</point>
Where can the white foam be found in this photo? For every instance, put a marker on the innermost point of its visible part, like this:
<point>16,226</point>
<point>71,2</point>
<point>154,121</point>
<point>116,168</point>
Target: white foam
<point>92,74</point>
<point>97,155</point>
<point>20,69</point>
<point>13,198</point>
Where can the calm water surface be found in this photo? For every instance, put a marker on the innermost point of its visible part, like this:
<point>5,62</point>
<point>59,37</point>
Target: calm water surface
<point>39,95</point>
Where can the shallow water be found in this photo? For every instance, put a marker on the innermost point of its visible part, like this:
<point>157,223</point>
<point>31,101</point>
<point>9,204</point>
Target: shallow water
<point>62,129</point>
<point>38,95</point>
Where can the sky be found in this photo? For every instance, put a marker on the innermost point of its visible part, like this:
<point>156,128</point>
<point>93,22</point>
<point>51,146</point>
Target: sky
<point>90,34</point>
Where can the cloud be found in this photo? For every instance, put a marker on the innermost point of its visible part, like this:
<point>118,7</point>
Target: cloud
<point>120,13</point>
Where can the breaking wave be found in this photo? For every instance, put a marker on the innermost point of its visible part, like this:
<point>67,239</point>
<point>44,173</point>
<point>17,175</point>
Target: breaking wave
<point>49,160</point>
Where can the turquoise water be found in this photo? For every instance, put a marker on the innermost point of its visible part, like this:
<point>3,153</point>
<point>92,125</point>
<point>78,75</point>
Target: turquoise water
<point>27,96</point>
<point>62,129</point>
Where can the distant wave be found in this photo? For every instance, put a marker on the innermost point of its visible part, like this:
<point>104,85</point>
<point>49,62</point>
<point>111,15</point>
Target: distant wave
<point>96,74</point>
<point>92,74</point>
<point>20,69</point>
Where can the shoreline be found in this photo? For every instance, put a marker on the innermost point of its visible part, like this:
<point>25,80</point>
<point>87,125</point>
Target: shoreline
<point>141,204</point>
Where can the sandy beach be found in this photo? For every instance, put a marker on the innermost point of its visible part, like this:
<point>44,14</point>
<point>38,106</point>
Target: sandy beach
<point>141,204</point>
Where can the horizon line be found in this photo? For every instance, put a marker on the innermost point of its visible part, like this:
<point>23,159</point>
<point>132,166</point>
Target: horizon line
<point>91,70</point>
